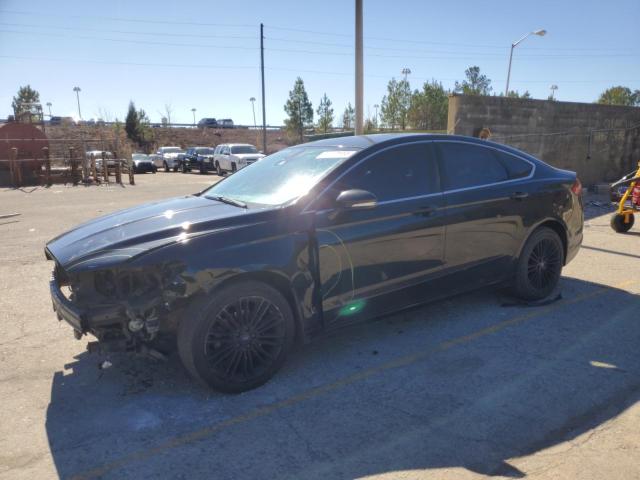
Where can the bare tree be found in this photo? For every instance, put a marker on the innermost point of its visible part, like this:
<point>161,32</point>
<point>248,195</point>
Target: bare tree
<point>168,109</point>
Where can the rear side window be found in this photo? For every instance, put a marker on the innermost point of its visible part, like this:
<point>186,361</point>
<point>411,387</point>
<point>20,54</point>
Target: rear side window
<point>516,167</point>
<point>465,165</point>
<point>400,172</point>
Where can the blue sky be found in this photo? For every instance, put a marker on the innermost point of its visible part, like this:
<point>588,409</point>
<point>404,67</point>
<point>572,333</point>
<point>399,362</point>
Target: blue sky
<point>204,54</point>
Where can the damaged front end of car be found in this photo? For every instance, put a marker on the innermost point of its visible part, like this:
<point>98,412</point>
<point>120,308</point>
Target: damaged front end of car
<point>125,308</point>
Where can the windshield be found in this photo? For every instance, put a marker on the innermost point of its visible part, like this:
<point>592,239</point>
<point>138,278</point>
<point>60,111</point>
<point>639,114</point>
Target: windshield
<point>244,149</point>
<point>171,150</point>
<point>139,156</point>
<point>281,177</point>
<point>204,151</point>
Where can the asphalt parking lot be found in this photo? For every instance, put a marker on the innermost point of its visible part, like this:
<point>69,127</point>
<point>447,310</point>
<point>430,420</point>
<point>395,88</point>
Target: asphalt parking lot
<point>464,388</point>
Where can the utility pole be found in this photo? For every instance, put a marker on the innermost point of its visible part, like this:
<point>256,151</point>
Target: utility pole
<point>264,112</point>
<point>193,110</point>
<point>77,90</point>
<point>359,71</point>
<point>376,106</point>
<point>49,105</point>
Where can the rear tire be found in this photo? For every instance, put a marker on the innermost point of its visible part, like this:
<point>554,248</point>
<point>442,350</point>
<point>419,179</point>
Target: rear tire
<point>617,223</point>
<point>540,265</point>
<point>239,339</point>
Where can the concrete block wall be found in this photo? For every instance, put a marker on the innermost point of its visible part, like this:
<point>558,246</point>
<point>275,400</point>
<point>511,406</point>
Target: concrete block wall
<point>599,142</point>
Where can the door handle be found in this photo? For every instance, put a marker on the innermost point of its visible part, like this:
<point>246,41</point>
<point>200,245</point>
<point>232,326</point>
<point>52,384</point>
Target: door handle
<point>424,211</point>
<point>518,195</point>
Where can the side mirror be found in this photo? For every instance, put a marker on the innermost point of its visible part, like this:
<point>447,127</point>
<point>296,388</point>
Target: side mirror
<point>356,200</point>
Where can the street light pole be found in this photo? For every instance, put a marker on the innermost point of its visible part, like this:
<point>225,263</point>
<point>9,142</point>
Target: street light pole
<point>406,72</point>
<point>376,106</point>
<point>77,90</point>
<point>193,110</point>
<point>253,107</point>
<point>49,105</point>
<point>540,33</point>
<point>359,127</point>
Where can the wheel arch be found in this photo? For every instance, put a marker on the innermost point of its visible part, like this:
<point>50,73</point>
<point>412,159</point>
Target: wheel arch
<point>555,225</point>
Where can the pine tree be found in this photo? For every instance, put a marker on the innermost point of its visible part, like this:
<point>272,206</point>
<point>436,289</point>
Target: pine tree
<point>348,117</point>
<point>325,114</point>
<point>25,95</point>
<point>299,110</point>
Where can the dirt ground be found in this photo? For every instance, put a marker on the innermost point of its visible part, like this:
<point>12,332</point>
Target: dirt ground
<point>464,388</point>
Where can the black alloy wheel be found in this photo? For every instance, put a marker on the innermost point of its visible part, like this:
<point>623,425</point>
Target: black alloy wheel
<point>245,338</point>
<point>540,265</point>
<point>544,264</point>
<point>240,339</point>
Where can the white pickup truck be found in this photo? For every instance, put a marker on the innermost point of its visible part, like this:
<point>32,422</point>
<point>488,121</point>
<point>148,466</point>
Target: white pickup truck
<point>230,157</point>
<point>167,158</point>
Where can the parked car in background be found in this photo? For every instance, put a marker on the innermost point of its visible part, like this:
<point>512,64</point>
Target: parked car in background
<point>111,162</point>
<point>208,123</point>
<point>55,120</point>
<point>314,238</point>
<point>187,158</point>
<point>167,158</point>
<point>230,157</point>
<point>200,158</point>
<point>226,123</point>
<point>142,163</point>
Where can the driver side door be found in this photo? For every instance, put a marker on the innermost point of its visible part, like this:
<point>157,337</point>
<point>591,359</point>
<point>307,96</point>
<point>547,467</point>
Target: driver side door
<point>367,254</point>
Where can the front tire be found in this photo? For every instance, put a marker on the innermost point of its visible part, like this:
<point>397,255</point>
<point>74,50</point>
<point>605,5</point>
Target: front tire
<point>540,265</point>
<point>239,339</point>
<point>166,167</point>
<point>617,223</point>
<point>218,169</point>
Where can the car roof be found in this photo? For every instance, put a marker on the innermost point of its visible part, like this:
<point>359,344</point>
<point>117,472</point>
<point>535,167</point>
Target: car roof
<point>239,145</point>
<point>366,141</point>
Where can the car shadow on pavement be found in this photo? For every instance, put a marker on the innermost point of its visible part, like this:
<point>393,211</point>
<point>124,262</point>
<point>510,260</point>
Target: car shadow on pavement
<point>458,383</point>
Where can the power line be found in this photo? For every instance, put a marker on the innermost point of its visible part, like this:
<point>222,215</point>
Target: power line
<point>450,55</point>
<point>283,69</point>
<point>129,19</point>
<point>125,40</point>
<point>126,32</point>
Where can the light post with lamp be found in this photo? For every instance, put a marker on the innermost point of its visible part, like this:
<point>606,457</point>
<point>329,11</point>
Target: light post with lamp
<point>540,33</point>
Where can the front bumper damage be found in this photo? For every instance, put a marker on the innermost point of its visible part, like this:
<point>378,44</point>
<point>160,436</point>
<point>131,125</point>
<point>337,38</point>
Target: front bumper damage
<point>120,321</point>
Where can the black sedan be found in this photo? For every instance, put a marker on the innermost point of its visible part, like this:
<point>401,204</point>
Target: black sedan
<point>310,239</point>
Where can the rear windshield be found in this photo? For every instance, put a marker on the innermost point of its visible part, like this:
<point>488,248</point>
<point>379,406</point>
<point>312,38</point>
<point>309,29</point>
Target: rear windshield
<point>244,149</point>
<point>204,151</point>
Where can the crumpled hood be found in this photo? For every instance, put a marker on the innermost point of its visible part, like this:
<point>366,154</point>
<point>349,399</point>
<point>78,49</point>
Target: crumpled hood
<point>122,235</point>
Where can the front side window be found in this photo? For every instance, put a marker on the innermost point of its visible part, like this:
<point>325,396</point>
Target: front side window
<point>399,172</point>
<point>465,165</point>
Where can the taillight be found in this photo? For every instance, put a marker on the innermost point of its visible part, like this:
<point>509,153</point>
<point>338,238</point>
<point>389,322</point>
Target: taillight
<point>576,187</point>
